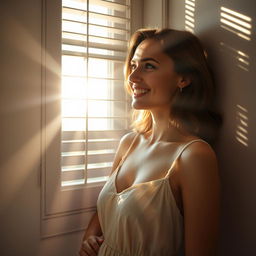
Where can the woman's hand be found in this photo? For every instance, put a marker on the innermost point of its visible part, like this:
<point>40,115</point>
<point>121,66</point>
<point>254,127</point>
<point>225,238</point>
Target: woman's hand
<point>91,246</point>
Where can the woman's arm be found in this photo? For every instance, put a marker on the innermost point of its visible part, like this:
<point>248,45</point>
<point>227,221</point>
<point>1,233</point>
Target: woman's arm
<point>92,239</point>
<point>200,188</point>
<point>93,228</point>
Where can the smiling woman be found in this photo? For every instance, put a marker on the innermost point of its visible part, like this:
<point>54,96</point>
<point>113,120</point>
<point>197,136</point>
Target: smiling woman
<point>192,104</point>
<point>162,197</point>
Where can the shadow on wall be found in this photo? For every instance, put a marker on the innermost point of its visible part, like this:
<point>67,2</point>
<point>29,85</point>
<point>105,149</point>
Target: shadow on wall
<point>227,29</point>
<point>236,29</point>
<point>237,146</point>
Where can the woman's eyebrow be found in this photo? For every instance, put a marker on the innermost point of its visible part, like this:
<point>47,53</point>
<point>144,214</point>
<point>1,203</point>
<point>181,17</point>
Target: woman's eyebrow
<point>146,59</point>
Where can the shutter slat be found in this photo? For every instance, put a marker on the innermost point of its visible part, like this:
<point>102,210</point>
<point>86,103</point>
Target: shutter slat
<point>93,14</point>
<point>95,38</point>
<point>72,175</point>
<point>92,135</point>
<point>76,158</point>
<point>97,56</point>
<point>92,173</point>
<point>79,174</point>
<point>108,17</point>
<point>107,28</point>
<point>71,146</point>
<point>118,5</point>
<point>121,48</point>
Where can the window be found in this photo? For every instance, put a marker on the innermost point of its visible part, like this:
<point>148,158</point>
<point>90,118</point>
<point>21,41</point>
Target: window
<point>85,108</point>
<point>94,104</point>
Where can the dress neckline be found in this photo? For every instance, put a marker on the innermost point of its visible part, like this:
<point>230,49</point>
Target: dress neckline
<point>150,181</point>
<point>134,185</point>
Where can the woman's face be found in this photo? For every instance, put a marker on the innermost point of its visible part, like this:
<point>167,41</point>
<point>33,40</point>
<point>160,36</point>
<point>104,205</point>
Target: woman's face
<point>152,79</point>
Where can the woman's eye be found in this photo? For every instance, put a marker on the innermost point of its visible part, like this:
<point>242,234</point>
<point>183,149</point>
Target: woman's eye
<point>149,66</point>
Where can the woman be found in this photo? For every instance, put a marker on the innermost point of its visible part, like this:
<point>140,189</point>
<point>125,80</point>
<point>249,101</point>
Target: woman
<point>162,197</point>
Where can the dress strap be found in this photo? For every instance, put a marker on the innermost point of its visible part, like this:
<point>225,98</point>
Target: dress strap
<point>180,152</point>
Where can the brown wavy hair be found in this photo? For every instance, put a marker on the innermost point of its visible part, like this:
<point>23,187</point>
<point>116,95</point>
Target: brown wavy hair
<point>193,108</point>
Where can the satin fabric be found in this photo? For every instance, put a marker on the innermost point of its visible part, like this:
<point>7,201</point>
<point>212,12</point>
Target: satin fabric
<point>142,220</point>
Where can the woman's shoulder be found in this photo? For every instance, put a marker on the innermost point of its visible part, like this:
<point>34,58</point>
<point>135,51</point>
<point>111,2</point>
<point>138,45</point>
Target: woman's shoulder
<point>128,138</point>
<point>197,149</point>
<point>126,141</point>
<point>124,145</point>
<point>198,157</point>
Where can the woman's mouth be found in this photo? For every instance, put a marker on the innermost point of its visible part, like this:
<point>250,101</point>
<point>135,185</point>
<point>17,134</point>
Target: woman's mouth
<point>139,92</point>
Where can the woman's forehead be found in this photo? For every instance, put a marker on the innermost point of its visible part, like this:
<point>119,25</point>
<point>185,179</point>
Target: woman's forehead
<point>148,48</point>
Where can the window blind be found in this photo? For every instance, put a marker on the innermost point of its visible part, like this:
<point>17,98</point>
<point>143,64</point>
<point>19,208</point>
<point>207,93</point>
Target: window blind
<point>94,104</point>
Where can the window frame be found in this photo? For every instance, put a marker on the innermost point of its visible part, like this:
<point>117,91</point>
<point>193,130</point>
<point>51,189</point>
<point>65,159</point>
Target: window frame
<point>58,215</point>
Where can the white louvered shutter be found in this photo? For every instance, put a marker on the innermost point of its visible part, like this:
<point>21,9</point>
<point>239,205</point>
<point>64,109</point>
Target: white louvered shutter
<point>94,104</point>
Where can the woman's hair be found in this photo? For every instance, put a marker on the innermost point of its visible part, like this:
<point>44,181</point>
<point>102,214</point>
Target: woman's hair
<point>191,108</point>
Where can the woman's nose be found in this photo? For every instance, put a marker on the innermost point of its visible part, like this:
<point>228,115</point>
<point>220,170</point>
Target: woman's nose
<point>135,76</point>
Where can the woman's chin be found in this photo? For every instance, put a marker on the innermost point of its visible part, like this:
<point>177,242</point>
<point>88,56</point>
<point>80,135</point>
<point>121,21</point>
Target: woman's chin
<point>138,106</point>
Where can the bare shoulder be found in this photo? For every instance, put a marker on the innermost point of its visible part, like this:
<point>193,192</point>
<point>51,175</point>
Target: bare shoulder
<point>198,159</point>
<point>198,152</point>
<point>125,142</point>
<point>124,145</point>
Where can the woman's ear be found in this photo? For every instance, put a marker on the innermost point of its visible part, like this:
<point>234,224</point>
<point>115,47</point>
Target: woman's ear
<point>184,81</point>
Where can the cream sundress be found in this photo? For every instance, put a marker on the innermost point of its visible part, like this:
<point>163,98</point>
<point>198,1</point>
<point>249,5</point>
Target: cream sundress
<point>142,220</point>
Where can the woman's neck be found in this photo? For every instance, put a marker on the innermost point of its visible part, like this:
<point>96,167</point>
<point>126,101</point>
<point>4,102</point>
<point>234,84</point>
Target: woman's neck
<point>165,130</point>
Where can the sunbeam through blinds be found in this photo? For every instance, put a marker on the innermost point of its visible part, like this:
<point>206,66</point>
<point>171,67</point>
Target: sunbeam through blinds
<point>94,103</point>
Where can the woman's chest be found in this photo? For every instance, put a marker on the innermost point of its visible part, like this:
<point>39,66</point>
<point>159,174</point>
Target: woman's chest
<point>145,164</point>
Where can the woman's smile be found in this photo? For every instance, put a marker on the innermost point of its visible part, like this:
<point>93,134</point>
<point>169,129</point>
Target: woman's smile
<point>139,92</point>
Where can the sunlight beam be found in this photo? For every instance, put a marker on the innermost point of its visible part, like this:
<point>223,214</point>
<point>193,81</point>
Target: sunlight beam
<point>241,59</point>
<point>239,15</point>
<point>241,133</point>
<point>236,23</point>
<point>190,6</point>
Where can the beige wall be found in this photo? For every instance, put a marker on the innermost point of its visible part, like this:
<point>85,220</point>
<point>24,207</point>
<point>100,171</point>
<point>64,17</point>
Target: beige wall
<point>20,125</point>
<point>152,13</point>
<point>236,86</point>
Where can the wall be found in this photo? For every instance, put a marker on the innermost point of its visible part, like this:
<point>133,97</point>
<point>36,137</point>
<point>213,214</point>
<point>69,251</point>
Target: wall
<point>20,126</point>
<point>232,58</point>
<point>151,19</point>
<point>20,135</point>
<point>155,13</point>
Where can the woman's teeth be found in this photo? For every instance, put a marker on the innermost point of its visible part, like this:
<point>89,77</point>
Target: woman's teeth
<point>139,91</point>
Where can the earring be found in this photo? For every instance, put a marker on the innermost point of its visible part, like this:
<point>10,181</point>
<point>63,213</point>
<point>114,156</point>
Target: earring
<point>173,123</point>
<point>180,89</point>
